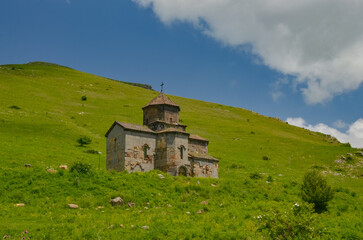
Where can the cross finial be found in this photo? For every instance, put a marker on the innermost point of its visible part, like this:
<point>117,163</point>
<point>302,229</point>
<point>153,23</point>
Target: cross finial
<point>162,86</point>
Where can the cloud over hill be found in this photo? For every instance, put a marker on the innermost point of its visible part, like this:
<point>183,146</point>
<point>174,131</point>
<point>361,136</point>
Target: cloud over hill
<point>354,134</point>
<point>317,42</point>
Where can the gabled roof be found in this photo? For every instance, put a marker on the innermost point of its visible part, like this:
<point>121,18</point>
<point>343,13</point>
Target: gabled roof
<point>130,126</point>
<point>196,137</point>
<point>162,99</point>
<point>204,156</point>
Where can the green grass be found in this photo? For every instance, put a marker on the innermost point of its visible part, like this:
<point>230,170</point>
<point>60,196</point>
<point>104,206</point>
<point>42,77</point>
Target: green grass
<point>42,115</point>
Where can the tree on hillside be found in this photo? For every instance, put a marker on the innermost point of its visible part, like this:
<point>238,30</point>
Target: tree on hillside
<point>84,140</point>
<point>316,190</point>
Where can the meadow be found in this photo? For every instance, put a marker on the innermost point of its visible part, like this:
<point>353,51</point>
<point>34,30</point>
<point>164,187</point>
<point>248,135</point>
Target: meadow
<point>262,163</point>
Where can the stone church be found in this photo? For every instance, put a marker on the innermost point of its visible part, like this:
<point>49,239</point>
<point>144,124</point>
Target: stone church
<point>160,143</point>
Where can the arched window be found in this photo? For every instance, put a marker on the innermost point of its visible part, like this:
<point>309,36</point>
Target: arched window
<point>182,149</point>
<point>145,147</point>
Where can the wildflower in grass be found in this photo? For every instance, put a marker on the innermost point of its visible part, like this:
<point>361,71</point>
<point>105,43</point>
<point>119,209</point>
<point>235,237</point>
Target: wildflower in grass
<point>259,217</point>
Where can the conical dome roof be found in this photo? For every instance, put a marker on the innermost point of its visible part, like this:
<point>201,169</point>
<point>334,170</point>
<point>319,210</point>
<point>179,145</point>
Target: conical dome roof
<point>162,99</point>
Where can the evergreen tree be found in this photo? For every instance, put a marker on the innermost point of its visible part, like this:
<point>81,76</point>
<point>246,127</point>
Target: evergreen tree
<point>316,190</point>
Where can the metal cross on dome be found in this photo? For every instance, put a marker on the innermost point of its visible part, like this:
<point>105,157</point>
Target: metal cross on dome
<point>162,86</point>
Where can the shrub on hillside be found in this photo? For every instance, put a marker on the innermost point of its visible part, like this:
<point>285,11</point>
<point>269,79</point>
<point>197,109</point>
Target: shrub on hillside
<point>234,166</point>
<point>255,175</point>
<point>265,158</point>
<point>297,223</point>
<point>84,98</point>
<point>346,145</point>
<point>350,159</point>
<point>80,167</point>
<point>84,140</point>
<point>316,190</point>
<point>91,151</point>
<point>15,107</point>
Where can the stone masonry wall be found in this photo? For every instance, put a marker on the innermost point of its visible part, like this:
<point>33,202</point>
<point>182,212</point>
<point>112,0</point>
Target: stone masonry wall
<point>135,159</point>
<point>115,147</point>
<point>171,114</point>
<point>164,113</point>
<point>205,168</point>
<point>168,152</point>
<point>198,146</point>
<point>151,114</point>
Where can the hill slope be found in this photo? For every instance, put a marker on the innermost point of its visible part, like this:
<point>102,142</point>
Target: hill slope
<point>42,115</point>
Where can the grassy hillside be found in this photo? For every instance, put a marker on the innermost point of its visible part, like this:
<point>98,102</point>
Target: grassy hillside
<point>42,115</point>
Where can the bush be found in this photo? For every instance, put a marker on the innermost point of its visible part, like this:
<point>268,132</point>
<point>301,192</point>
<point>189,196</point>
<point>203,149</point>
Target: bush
<point>297,223</point>
<point>84,140</point>
<point>79,167</point>
<point>15,107</point>
<point>84,98</point>
<point>234,166</point>
<point>342,208</point>
<point>350,159</point>
<point>350,235</point>
<point>91,151</point>
<point>346,145</point>
<point>265,158</point>
<point>255,175</point>
<point>316,190</point>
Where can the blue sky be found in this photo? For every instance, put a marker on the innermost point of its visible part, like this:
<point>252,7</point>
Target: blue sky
<point>287,62</point>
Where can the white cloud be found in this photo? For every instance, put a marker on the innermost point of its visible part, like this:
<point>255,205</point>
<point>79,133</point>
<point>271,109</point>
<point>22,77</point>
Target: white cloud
<point>356,129</point>
<point>298,122</point>
<point>319,42</point>
<point>276,92</point>
<point>354,134</point>
<point>340,124</point>
<point>276,95</point>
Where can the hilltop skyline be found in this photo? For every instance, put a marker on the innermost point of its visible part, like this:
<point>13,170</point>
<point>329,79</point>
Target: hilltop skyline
<point>304,69</point>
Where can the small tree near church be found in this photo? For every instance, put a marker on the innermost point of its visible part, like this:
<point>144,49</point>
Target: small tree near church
<point>84,140</point>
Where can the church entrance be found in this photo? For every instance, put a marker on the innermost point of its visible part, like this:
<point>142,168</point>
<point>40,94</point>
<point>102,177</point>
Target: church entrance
<point>183,171</point>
